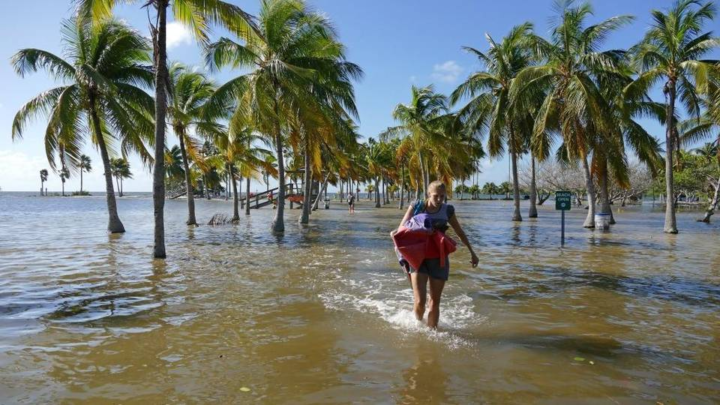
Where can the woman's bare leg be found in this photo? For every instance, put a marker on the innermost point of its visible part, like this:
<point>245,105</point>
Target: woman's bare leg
<point>419,285</point>
<point>436,289</point>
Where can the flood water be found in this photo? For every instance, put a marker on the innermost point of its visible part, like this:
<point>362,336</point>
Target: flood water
<point>323,313</point>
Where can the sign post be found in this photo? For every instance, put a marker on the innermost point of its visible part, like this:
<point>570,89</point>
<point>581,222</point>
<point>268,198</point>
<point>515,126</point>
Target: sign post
<point>562,204</point>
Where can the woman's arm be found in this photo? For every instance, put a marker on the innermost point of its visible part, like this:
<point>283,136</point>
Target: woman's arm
<point>461,234</point>
<point>408,215</point>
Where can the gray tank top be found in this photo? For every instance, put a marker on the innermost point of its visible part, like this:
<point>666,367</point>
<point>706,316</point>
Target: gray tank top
<point>440,218</point>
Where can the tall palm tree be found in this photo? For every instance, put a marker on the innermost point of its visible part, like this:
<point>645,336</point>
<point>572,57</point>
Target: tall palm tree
<point>43,179</point>
<point>189,90</point>
<point>295,61</point>
<point>671,51</point>
<point>420,129</point>
<point>85,166</point>
<point>198,15</point>
<point>490,105</point>
<point>102,98</point>
<point>573,104</point>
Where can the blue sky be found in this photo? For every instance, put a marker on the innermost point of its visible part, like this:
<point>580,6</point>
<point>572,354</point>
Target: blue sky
<point>398,43</point>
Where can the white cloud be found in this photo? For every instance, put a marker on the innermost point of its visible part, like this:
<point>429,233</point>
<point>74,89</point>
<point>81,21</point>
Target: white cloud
<point>19,171</point>
<point>178,35</point>
<point>447,72</point>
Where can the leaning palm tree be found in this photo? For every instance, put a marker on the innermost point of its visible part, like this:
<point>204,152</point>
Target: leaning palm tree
<point>85,166</point>
<point>43,179</point>
<point>198,15</point>
<point>671,51</point>
<point>101,99</point>
<point>490,105</point>
<point>573,104</point>
<point>295,62</point>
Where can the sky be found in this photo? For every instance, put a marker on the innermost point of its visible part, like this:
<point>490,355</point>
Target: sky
<point>398,43</point>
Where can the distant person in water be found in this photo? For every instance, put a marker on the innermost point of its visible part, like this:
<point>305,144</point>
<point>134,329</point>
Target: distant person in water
<point>430,272</point>
<point>351,203</point>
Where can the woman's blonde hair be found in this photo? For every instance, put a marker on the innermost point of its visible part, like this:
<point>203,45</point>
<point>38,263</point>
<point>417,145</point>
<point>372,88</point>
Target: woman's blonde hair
<point>437,184</point>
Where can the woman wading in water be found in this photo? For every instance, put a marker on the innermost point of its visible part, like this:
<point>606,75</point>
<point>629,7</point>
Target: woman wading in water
<point>430,271</point>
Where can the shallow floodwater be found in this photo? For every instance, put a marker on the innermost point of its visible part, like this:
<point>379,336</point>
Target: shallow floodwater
<point>322,314</point>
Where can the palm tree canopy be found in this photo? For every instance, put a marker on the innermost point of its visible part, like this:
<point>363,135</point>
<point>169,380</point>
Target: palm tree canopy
<point>107,63</point>
<point>198,15</point>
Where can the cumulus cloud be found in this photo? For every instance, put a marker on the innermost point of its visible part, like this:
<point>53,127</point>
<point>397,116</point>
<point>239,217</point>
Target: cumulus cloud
<point>19,171</point>
<point>447,72</point>
<point>178,35</point>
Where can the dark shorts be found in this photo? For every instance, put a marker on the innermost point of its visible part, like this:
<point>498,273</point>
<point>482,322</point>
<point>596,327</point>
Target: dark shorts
<point>432,268</point>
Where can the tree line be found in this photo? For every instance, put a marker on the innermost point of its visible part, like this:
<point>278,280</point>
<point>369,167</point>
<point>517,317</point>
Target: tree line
<point>291,109</point>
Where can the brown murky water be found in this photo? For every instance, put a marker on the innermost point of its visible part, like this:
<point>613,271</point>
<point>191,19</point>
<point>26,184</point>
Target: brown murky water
<point>322,315</point>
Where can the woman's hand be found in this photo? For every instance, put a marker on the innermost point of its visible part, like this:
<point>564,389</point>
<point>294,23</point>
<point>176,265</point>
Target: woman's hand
<point>474,260</point>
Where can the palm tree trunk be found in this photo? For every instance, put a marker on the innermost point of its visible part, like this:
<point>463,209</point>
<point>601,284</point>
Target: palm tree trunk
<point>604,193</point>
<point>402,185</point>
<point>322,189</point>
<point>114,223</point>
<point>516,187</point>
<point>117,184</point>
<point>377,192</point>
<point>307,178</point>
<point>713,204</point>
<point>278,224</point>
<point>533,189</point>
<point>42,187</point>
<point>122,181</point>
<point>236,212</point>
<point>188,184</point>
<point>590,219</point>
<point>81,180</point>
<point>247,192</point>
<point>161,78</point>
<point>63,187</point>
<point>670,221</point>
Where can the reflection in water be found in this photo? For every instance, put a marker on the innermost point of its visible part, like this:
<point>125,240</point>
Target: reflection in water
<point>322,314</point>
<point>425,380</point>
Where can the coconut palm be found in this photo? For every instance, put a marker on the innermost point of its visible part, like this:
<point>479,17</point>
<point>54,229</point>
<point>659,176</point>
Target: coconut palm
<point>490,105</point>
<point>84,166</point>
<point>671,51</point>
<point>43,179</point>
<point>64,175</point>
<point>189,90</point>
<point>120,168</point>
<point>197,15</point>
<point>573,104</point>
<point>296,62</point>
<point>420,130</point>
<point>101,100</point>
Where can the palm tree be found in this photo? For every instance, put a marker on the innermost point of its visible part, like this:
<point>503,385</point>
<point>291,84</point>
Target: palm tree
<point>573,104</point>
<point>198,15</point>
<point>64,175</point>
<point>295,62</point>
<point>85,165</point>
<point>100,99</point>
<point>671,51</point>
<point>189,90</point>
<point>43,179</point>
<point>420,130</point>
<point>490,105</point>
<point>120,168</point>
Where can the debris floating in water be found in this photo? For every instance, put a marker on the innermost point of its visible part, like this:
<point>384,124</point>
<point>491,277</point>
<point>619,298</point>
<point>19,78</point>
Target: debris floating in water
<point>245,389</point>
